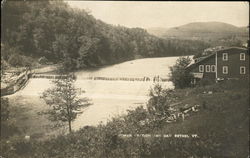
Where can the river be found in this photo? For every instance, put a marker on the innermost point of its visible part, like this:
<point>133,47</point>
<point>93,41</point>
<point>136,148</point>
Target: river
<point>109,98</point>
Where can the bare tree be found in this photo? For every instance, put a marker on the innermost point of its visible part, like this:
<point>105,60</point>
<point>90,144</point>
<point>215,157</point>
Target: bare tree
<point>64,101</point>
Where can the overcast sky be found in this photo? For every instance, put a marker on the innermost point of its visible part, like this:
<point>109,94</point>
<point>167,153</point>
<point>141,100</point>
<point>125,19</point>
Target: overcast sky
<point>165,14</point>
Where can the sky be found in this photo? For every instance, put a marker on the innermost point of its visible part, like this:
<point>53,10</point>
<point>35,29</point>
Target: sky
<point>148,14</point>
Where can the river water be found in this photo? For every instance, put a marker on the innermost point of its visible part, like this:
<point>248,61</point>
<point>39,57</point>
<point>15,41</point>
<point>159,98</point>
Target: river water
<point>109,98</point>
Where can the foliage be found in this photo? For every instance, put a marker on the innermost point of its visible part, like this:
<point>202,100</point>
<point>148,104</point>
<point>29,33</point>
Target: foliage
<point>222,129</point>
<point>64,101</point>
<point>158,104</point>
<point>68,65</point>
<point>4,65</point>
<point>4,109</point>
<point>53,30</point>
<point>15,60</point>
<point>136,121</point>
<point>8,128</point>
<point>205,82</point>
<point>178,75</point>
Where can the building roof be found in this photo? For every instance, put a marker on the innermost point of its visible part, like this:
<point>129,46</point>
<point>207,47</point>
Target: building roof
<point>210,55</point>
<point>227,48</point>
<point>205,58</point>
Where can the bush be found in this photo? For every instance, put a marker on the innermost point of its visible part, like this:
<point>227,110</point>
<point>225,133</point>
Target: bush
<point>159,103</point>
<point>68,65</point>
<point>7,51</point>
<point>8,128</point>
<point>136,121</point>
<point>205,82</point>
<point>178,75</point>
<point>17,60</point>
<point>222,128</point>
<point>4,65</point>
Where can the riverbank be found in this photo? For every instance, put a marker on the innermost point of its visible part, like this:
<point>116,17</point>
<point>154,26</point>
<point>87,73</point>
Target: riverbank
<point>109,97</point>
<point>218,129</point>
<point>15,82</point>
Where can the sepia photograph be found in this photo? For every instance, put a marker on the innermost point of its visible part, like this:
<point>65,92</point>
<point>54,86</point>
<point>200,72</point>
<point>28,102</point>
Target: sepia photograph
<point>124,79</point>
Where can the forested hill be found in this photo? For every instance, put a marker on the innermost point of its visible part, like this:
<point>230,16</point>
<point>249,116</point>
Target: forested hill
<point>74,37</point>
<point>215,33</point>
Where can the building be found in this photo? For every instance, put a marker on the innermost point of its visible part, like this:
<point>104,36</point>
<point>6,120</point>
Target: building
<point>221,64</point>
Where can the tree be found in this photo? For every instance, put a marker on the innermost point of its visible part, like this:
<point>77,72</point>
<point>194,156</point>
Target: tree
<point>16,60</point>
<point>5,113</point>
<point>78,40</point>
<point>178,75</point>
<point>159,103</point>
<point>64,101</point>
<point>3,66</point>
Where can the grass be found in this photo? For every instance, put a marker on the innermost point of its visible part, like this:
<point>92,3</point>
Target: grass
<point>222,126</point>
<point>222,123</point>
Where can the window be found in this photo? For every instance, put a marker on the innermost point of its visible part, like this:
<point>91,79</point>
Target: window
<point>242,70</point>
<point>225,70</point>
<point>213,68</point>
<point>242,56</point>
<point>207,68</point>
<point>224,56</point>
<point>201,68</point>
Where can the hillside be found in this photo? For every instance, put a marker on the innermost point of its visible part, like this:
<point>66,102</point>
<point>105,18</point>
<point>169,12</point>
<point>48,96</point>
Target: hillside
<point>209,27</point>
<point>53,30</point>
<point>157,31</point>
<point>212,32</point>
<point>220,124</point>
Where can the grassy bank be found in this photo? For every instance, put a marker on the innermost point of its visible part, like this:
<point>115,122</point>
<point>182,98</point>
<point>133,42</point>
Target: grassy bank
<point>221,125</point>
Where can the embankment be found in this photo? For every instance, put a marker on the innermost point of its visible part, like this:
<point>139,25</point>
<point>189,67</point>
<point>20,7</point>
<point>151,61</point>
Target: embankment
<point>17,84</point>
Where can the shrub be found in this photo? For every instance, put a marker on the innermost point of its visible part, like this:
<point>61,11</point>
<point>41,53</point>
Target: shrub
<point>4,65</point>
<point>136,120</point>
<point>159,103</point>
<point>222,127</point>
<point>8,128</point>
<point>68,65</point>
<point>178,75</point>
<point>4,109</point>
<point>205,82</point>
<point>7,51</point>
<point>15,60</point>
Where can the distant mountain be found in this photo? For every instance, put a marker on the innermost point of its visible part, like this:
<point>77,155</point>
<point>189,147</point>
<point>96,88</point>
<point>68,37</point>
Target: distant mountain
<point>157,31</point>
<point>203,31</point>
